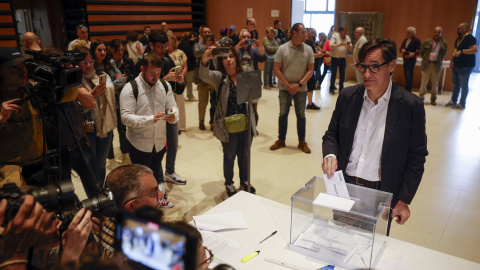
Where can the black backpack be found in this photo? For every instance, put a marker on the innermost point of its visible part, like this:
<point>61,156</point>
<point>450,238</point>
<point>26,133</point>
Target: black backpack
<point>134,85</point>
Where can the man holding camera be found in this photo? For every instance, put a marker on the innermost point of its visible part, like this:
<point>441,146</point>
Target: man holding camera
<point>133,187</point>
<point>145,111</point>
<point>21,130</point>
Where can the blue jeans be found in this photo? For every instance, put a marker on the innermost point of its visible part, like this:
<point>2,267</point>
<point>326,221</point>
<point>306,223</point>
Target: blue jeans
<point>237,146</point>
<point>152,160</point>
<point>268,72</point>
<point>172,145</point>
<point>300,99</point>
<point>100,147</point>
<point>408,67</point>
<point>460,78</point>
<point>341,63</point>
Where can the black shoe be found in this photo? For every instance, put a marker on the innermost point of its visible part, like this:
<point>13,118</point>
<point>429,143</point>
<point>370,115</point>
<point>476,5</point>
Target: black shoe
<point>313,107</point>
<point>332,92</point>
<point>231,190</point>
<point>244,186</point>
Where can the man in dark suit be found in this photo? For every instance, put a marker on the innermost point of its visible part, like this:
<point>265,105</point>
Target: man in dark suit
<point>377,132</point>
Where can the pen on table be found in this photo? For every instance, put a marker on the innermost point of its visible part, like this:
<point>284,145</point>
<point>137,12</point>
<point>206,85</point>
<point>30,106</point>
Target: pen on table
<point>268,236</point>
<point>250,256</point>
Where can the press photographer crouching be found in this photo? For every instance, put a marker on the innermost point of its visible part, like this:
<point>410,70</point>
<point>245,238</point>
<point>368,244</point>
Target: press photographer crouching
<point>235,143</point>
<point>31,225</point>
<point>21,130</point>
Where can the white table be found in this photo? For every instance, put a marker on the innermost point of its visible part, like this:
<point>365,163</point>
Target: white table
<point>445,65</point>
<point>265,216</point>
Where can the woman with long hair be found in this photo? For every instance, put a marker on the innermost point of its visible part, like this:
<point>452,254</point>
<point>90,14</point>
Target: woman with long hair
<point>103,119</point>
<point>134,47</point>
<point>234,144</point>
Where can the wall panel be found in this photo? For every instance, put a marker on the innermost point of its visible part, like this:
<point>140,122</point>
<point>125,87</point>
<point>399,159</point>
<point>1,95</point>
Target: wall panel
<point>109,19</point>
<point>8,32</point>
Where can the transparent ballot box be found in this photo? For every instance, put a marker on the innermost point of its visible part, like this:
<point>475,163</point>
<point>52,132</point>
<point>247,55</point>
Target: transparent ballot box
<point>352,239</point>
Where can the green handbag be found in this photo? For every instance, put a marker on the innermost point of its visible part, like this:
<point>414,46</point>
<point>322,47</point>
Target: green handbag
<point>236,123</point>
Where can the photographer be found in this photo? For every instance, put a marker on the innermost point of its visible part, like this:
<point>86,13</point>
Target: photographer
<point>233,144</point>
<point>249,57</point>
<point>103,119</point>
<point>133,187</point>
<point>21,130</point>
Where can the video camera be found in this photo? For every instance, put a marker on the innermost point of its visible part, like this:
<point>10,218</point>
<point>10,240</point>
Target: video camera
<point>59,198</point>
<point>53,75</point>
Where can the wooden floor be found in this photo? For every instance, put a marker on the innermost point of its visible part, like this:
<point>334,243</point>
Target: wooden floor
<point>445,209</point>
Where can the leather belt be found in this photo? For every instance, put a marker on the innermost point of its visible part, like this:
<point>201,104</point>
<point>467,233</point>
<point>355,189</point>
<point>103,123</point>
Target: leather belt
<point>363,182</point>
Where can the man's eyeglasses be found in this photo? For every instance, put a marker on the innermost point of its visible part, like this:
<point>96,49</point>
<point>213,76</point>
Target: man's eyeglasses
<point>84,63</point>
<point>373,68</point>
<point>153,194</point>
<point>161,47</point>
<point>208,255</point>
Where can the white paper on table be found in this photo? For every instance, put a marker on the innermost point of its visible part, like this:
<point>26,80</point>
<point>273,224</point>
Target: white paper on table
<point>221,247</point>
<point>336,185</point>
<point>221,221</point>
<point>334,202</point>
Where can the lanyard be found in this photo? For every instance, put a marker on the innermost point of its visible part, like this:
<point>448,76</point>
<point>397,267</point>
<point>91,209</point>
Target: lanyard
<point>435,45</point>
<point>460,41</point>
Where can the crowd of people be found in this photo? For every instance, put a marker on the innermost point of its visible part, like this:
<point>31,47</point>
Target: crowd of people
<point>137,86</point>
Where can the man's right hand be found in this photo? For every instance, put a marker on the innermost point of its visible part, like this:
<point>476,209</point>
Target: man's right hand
<point>329,166</point>
<point>7,108</point>
<point>172,76</point>
<point>158,116</point>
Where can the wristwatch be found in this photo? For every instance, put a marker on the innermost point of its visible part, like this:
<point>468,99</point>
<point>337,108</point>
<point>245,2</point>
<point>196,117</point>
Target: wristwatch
<point>299,84</point>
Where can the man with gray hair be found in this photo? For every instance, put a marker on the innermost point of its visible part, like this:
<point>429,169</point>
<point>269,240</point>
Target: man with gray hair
<point>82,33</point>
<point>361,39</point>
<point>409,49</point>
<point>133,187</point>
<point>377,134</point>
<point>433,51</point>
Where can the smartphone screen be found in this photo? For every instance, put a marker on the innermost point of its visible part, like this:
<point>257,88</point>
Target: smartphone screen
<point>151,244</point>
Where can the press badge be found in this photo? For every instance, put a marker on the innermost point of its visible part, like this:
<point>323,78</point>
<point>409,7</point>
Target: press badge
<point>431,57</point>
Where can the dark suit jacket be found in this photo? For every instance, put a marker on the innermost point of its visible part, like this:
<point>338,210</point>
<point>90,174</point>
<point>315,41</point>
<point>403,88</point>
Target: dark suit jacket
<point>413,46</point>
<point>404,145</point>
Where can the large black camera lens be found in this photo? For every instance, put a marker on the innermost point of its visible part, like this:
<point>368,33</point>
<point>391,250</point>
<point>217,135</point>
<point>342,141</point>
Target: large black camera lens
<point>55,198</point>
<point>100,205</point>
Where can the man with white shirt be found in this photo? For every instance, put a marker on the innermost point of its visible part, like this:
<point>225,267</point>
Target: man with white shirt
<point>361,40</point>
<point>377,133</point>
<point>82,33</point>
<point>145,109</point>
<point>340,44</point>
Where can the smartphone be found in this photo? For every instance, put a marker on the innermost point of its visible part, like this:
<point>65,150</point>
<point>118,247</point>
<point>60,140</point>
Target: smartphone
<point>178,69</point>
<point>221,52</point>
<point>146,241</point>
<point>103,78</point>
<point>249,42</point>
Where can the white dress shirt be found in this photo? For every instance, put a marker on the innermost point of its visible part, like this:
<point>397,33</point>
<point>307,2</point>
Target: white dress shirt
<point>364,161</point>
<point>138,115</point>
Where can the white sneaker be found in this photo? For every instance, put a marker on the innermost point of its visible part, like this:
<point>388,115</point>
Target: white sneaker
<point>165,204</point>
<point>175,178</point>
<point>163,189</point>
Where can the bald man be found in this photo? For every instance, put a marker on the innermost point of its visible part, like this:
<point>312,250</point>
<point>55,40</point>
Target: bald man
<point>433,52</point>
<point>31,41</point>
<point>462,65</point>
<point>361,39</point>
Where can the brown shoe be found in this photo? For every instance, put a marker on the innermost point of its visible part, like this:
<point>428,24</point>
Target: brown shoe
<point>277,145</point>
<point>201,126</point>
<point>433,102</point>
<point>303,146</point>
